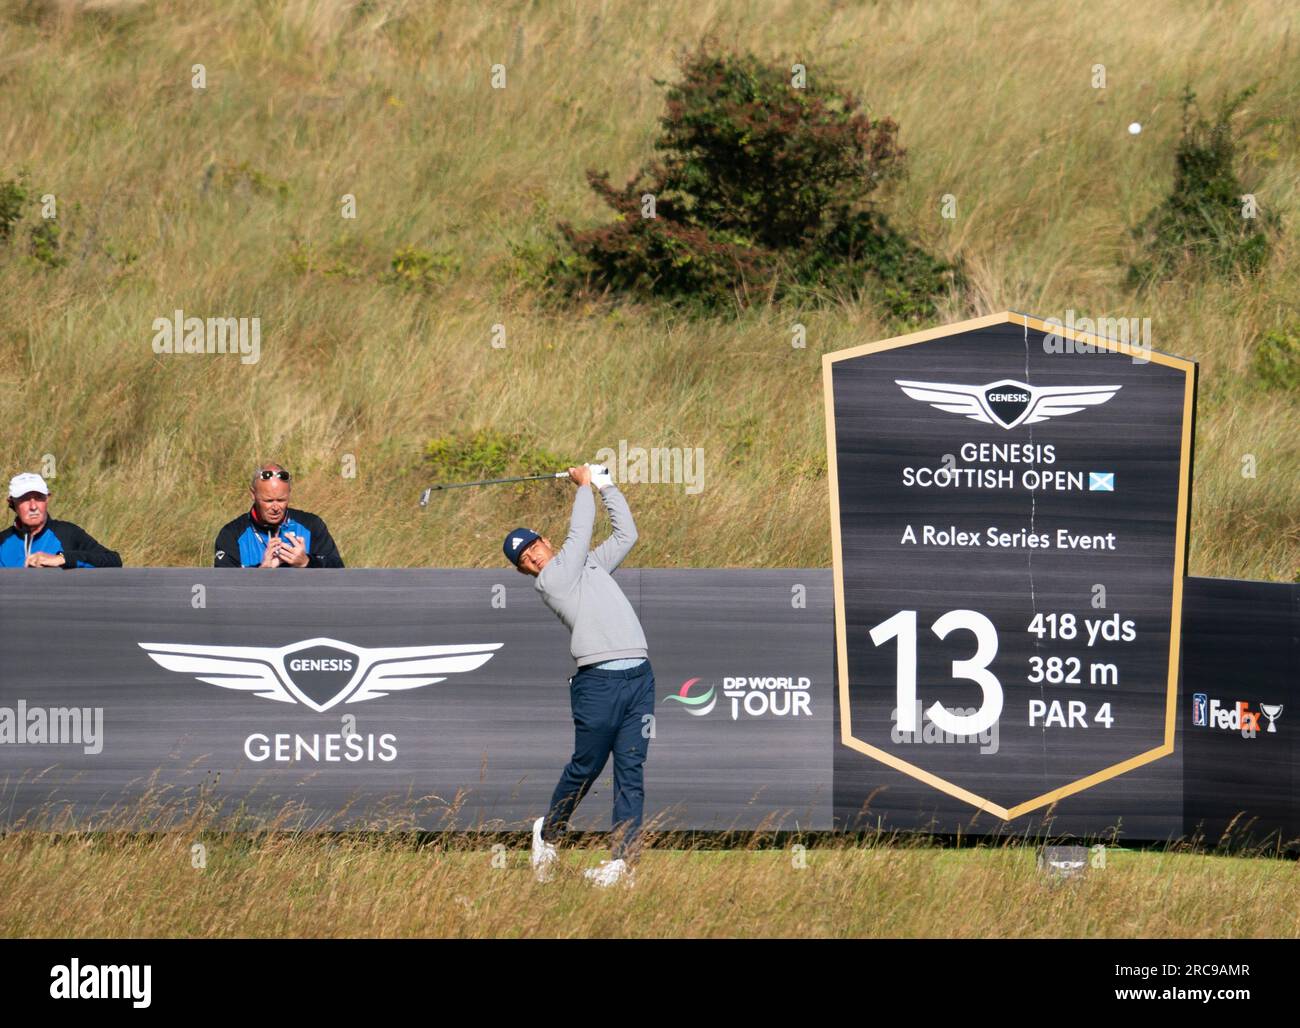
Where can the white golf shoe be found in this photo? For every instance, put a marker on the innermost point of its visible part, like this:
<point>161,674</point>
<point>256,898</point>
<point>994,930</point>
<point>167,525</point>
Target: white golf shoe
<point>610,872</point>
<point>543,855</point>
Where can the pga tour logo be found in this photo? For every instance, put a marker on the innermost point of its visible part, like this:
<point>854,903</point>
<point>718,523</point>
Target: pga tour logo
<point>1208,713</point>
<point>755,696</point>
<point>1007,403</point>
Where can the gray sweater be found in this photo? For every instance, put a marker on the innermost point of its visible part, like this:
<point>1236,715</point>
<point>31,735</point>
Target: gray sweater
<point>576,584</point>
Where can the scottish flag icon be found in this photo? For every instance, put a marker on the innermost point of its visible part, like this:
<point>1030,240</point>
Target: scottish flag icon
<point>1101,481</point>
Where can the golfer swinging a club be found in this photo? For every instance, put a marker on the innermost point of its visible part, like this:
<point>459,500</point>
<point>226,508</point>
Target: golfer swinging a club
<point>612,695</point>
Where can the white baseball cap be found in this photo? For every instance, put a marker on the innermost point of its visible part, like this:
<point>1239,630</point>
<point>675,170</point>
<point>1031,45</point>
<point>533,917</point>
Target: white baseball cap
<point>27,482</point>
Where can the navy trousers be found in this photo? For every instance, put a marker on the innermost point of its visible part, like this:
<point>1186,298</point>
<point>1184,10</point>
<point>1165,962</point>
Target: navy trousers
<point>610,709</point>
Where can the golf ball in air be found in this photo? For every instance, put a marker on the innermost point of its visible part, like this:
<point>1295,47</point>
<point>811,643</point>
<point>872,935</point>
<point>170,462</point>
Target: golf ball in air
<point>1134,129</point>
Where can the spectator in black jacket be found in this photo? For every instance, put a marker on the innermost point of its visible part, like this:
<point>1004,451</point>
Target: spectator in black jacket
<point>272,534</point>
<point>34,540</point>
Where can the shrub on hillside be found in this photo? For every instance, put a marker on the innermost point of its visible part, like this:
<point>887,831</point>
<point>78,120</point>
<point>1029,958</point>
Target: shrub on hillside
<point>864,255</point>
<point>244,179</point>
<point>747,153</point>
<point>343,258</point>
<point>1277,360</point>
<point>1202,225</point>
<point>413,268</point>
<point>349,258</point>
<point>43,236</point>
<point>44,244</point>
<point>487,453</point>
<point>13,197</point>
<point>760,189</point>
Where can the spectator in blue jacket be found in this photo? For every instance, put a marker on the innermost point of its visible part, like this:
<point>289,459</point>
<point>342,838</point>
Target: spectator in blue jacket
<point>35,540</point>
<point>271,534</point>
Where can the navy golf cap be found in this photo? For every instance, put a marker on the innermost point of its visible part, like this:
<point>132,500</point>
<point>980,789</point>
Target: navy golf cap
<point>516,542</point>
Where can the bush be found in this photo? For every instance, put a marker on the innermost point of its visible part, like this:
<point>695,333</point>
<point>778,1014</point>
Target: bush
<point>1200,226</point>
<point>748,154</point>
<point>343,258</point>
<point>865,255</point>
<point>43,244</point>
<point>659,258</point>
<point>243,178</point>
<point>487,453</point>
<point>760,190</point>
<point>1277,360</point>
<point>413,268</point>
<point>349,258</point>
<point>13,196</point>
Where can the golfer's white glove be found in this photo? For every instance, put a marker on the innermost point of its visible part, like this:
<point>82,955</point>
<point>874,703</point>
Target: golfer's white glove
<point>600,476</point>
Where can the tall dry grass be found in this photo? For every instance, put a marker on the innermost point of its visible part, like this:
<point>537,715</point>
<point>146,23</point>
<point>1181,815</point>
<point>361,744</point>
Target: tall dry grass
<point>275,884</point>
<point>391,101</point>
<point>184,863</point>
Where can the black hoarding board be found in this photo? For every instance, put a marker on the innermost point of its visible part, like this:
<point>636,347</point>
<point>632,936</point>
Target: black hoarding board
<point>435,699</point>
<point>1241,657</point>
<point>1009,506</point>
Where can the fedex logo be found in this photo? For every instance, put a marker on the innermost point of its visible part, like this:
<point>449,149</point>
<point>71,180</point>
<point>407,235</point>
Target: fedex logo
<point>1238,717</point>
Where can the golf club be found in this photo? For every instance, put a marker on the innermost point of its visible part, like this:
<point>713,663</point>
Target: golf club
<point>424,496</point>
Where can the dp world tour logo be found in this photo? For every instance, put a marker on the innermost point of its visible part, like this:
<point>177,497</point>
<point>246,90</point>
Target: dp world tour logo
<point>320,673</point>
<point>697,705</point>
<point>754,695</point>
<point>1007,403</point>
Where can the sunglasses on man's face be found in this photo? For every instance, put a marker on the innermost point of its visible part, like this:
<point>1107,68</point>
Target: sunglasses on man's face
<point>283,476</point>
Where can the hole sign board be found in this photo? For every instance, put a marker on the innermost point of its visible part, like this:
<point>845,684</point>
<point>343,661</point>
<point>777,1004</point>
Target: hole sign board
<point>1009,509</point>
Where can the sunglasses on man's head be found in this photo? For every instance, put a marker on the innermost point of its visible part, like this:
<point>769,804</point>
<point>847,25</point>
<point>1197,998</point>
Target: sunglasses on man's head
<point>264,474</point>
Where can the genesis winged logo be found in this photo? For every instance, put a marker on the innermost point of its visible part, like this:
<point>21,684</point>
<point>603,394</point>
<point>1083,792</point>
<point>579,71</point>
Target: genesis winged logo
<point>1007,403</point>
<point>320,673</point>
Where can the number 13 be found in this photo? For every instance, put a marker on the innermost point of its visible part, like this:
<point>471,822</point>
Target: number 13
<point>903,626</point>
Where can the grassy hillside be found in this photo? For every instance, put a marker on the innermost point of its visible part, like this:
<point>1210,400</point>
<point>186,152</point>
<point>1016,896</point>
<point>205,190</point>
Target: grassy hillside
<point>226,201</point>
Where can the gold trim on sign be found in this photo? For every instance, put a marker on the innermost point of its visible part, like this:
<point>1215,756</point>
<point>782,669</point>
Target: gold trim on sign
<point>1180,550</point>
